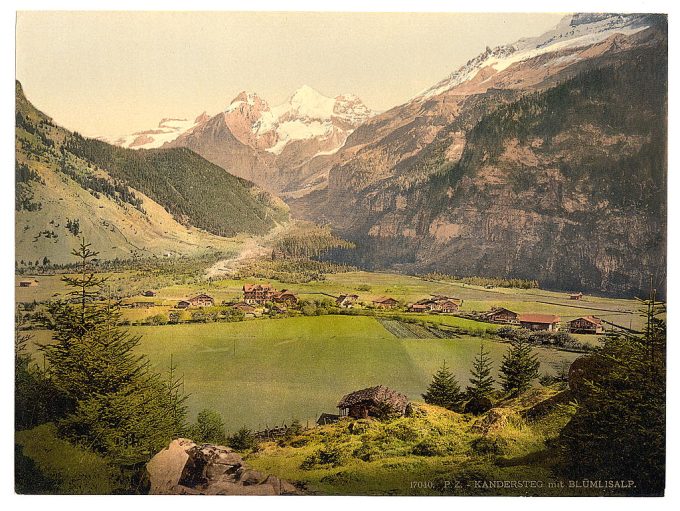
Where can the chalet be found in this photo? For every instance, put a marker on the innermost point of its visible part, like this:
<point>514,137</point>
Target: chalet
<point>442,298</point>
<point>548,322</point>
<point>438,303</point>
<point>257,293</point>
<point>244,307</point>
<point>364,403</point>
<point>286,297</point>
<point>419,307</point>
<point>202,300</point>
<point>28,283</point>
<point>327,418</point>
<point>448,307</point>
<point>149,293</point>
<point>183,304</point>
<point>501,315</point>
<point>346,301</point>
<point>576,296</point>
<point>586,325</point>
<point>386,302</point>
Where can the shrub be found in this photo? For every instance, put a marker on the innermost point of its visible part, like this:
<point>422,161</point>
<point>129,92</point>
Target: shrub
<point>478,405</point>
<point>242,440</point>
<point>434,446</point>
<point>209,427</point>
<point>487,445</point>
<point>403,431</point>
<point>331,455</point>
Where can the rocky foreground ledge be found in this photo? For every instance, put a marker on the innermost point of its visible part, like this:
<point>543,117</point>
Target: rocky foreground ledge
<point>187,468</point>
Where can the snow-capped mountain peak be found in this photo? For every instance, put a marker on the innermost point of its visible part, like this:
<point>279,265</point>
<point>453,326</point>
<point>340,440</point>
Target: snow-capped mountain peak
<point>572,31</point>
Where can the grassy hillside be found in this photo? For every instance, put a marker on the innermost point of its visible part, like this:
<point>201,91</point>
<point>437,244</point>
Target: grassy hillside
<point>123,201</point>
<point>435,452</point>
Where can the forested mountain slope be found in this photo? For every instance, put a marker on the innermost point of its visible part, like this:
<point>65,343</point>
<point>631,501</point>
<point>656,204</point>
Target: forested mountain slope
<point>561,178</point>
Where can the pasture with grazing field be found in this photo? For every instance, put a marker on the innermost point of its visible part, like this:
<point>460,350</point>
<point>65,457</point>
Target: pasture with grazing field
<point>265,372</point>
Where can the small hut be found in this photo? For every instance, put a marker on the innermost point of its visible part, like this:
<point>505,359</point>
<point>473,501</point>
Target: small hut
<point>364,403</point>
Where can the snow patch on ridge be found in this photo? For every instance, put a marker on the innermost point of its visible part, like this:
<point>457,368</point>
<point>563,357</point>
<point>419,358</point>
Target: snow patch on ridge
<point>572,32</point>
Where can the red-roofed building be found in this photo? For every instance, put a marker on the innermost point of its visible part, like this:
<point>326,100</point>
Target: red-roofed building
<point>548,322</point>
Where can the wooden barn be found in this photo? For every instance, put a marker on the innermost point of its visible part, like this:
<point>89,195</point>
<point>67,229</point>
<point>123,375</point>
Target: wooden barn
<point>244,307</point>
<point>202,300</point>
<point>364,403</point>
<point>28,283</point>
<point>149,293</point>
<point>419,307</point>
<point>586,325</point>
<point>549,322</point>
<point>183,304</point>
<point>285,297</point>
<point>501,315</point>
<point>576,296</point>
<point>448,307</point>
<point>257,293</point>
<point>386,302</point>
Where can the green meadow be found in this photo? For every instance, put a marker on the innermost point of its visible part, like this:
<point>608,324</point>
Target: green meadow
<point>263,372</point>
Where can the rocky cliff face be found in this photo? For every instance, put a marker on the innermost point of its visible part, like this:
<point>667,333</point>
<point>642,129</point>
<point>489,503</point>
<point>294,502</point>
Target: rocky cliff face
<point>548,166</point>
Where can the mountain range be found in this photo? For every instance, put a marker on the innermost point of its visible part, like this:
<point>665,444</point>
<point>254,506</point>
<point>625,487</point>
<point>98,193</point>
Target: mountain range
<point>542,159</point>
<point>268,145</point>
<point>150,203</point>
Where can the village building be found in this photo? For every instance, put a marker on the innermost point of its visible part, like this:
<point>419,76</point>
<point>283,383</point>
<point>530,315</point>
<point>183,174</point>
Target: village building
<point>327,418</point>
<point>386,302</point>
<point>346,301</point>
<point>443,304</point>
<point>576,296</point>
<point>501,315</point>
<point>586,325</point>
<point>549,322</point>
<point>202,300</point>
<point>285,297</point>
<point>149,293</point>
<point>257,293</point>
<point>448,307</point>
<point>28,283</point>
<point>419,307</point>
<point>244,307</point>
<point>364,403</point>
<point>183,304</point>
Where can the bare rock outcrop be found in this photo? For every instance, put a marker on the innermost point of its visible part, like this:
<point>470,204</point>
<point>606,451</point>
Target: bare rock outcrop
<point>187,468</point>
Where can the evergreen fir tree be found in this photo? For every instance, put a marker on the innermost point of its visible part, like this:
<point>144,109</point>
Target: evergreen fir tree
<point>444,390</point>
<point>122,408</point>
<point>520,366</point>
<point>618,430</point>
<point>481,381</point>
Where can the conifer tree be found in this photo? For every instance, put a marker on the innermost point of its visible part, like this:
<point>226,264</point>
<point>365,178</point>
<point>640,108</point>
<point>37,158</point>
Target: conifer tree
<point>481,381</point>
<point>444,389</point>
<point>618,430</point>
<point>520,366</point>
<point>122,408</point>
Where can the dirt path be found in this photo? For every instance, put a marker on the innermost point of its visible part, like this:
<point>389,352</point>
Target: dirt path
<point>252,248</point>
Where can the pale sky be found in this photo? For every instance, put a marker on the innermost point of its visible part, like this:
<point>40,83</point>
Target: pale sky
<point>113,73</point>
